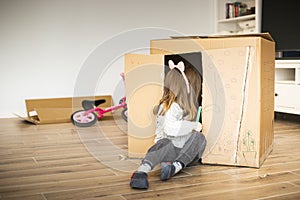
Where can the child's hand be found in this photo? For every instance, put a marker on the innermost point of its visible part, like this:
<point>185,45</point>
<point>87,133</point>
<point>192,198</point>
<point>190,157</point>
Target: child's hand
<point>199,127</point>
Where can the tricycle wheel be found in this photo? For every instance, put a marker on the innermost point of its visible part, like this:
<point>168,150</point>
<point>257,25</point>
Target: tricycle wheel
<point>124,114</point>
<point>81,119</point>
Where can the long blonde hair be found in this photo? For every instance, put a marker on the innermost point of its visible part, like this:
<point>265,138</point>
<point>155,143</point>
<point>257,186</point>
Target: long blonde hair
<point>175,90</point>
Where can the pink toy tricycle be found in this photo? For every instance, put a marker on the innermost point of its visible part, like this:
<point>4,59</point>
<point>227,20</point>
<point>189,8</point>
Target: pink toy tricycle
<point>92,113</point>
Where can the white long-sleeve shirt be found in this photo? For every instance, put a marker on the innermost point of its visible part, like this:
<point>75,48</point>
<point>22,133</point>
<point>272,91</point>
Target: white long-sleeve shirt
<point>174,126</point>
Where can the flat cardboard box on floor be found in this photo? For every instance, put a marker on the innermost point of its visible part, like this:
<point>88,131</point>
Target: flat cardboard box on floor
<point>238,95</point>
<point>57,110</point>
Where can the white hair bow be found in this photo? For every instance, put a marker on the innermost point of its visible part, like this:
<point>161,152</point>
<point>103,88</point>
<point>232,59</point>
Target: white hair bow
<point>180,66</point>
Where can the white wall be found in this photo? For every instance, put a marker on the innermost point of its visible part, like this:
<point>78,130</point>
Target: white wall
<point>45,44</point>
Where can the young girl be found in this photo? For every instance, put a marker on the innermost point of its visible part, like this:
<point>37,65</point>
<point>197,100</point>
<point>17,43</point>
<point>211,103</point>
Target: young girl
<point>178,140</point>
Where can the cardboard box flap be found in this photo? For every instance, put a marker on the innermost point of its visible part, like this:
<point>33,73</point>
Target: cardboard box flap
<point>28,119</point>
<point>48,115</point>
<point>263,35</point>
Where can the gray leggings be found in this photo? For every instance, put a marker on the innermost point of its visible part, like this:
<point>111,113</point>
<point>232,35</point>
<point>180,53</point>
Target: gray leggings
<point>164,151</point>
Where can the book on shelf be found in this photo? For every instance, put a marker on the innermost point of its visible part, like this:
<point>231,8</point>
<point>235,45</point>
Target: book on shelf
<point>235,9</point>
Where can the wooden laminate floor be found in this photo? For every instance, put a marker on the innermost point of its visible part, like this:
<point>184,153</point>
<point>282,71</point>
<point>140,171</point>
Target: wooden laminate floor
<point>60,161</point>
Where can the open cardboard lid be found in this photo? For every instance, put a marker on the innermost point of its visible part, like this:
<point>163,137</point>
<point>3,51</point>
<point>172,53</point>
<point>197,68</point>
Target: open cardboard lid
<point>263,35</point>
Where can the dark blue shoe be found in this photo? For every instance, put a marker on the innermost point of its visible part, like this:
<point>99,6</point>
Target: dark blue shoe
<point>167,171</point>
<point>139,180</point>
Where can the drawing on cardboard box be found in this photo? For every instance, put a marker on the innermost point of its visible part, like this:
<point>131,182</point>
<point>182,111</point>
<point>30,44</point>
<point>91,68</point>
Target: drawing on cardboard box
<point>248,148</point>
<point>235,81</point>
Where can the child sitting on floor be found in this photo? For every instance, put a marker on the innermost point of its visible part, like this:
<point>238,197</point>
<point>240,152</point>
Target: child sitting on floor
<point>178,140</point>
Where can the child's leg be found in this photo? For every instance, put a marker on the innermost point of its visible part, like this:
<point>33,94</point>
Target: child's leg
<point>163,150</point>
<point>194,147</point>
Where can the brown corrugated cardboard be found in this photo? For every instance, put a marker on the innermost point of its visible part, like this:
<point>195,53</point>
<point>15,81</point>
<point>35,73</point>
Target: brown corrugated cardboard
<point>263,35</point>
<point>244,69</point>
<point>230,107</point>
<point>143,81</point>
<point>256,130</point>
<point>200,43</point>
<point>57,110</point>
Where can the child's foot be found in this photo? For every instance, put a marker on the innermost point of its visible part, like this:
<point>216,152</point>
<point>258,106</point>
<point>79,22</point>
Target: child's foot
<point>167,171</point>
<point>139,180</point>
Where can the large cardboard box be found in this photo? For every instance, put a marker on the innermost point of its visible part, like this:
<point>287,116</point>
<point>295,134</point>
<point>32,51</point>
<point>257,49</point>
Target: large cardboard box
<point>57,110</point>
<point>238,95</point>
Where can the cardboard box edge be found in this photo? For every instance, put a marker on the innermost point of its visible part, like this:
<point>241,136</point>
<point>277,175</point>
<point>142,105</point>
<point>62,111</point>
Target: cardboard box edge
<point>265,35</point>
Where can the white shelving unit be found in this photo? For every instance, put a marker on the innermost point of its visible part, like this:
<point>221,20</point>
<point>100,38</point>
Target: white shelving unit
<point>287,72</point>
<point>287,86</point>
<point>225,25</point>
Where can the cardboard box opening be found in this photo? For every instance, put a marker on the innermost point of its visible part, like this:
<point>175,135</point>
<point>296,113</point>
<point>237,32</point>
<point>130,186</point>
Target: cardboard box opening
<point>193,59</point>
